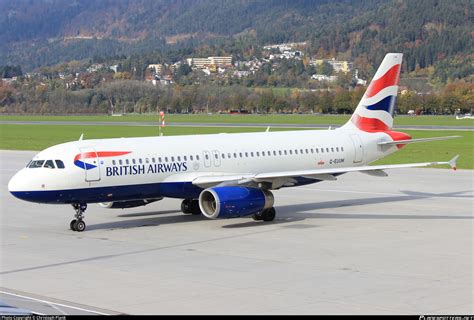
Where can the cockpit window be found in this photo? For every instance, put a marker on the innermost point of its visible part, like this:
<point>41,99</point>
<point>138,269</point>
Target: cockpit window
<point>59,164</point>
<point>36,164</point>
<point>49,164</point>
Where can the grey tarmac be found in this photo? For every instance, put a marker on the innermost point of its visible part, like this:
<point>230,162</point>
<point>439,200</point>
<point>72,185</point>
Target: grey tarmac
<point>361,245</point>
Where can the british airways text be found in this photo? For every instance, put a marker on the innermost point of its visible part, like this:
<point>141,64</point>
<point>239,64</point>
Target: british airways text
<point>145,169</point>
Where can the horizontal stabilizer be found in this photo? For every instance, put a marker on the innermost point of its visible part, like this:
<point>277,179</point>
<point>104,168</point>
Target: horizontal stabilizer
<point>392,143</point>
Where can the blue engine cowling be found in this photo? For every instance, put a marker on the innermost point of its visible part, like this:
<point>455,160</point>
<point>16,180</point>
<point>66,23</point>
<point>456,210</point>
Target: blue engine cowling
<point>234,201</point>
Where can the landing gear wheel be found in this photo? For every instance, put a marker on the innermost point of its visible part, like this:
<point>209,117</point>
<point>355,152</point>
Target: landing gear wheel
<point>190,206</point>
<point>269,214</point>
<point>186,206</point>
<point>258,216</point>
<point>78,223</point>
<point>195,209</point>
<point>80,226</point>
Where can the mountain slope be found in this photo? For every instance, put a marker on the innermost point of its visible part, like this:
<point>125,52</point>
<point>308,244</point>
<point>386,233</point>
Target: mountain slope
<point>34,33</point>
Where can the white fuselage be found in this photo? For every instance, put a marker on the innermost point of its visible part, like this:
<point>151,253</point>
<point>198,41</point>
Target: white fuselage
<point>151,167</point>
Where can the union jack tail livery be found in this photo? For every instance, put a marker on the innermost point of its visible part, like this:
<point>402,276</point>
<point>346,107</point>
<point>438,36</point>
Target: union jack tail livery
<point>375,110</point>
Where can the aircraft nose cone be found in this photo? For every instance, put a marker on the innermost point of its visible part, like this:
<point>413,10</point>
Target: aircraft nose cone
<point>18,185</point>
<point>13,183</point>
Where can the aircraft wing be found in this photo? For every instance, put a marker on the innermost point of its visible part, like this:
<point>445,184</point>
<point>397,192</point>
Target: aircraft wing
<point>286,178</point>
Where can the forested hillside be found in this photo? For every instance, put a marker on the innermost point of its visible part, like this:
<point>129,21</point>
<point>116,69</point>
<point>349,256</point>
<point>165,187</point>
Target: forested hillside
<point>438,34</point>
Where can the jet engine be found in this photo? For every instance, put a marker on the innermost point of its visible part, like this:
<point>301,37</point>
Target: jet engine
<point>234,201</point>
<point>127,204</point>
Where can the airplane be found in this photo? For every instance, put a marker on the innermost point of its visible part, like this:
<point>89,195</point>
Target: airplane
<point>219,175</point>
<point>466,116</point>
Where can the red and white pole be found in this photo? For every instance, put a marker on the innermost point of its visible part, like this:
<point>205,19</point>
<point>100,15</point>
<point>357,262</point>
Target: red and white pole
<point>162,115</point>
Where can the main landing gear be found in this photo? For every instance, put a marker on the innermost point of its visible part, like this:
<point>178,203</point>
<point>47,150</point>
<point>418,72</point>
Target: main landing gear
<point>78,224</point>
<point>190,206</point>
<point>265,215</point>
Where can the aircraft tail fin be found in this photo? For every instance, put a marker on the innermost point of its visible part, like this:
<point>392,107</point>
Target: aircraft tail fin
<point>375,110</point>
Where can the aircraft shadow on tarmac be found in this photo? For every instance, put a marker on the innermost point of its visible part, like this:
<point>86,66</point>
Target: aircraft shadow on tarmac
<point>295,212</point>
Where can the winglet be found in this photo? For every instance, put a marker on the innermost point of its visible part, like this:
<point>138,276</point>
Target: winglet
<point>452,162</point>
<point>82,136</point>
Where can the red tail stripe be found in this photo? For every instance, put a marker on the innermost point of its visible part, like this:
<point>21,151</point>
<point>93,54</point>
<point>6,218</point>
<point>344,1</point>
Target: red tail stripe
<point>390,78</point>
<point>369,124</point>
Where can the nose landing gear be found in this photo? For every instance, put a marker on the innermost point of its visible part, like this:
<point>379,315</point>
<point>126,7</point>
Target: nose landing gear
<point>78,224</point>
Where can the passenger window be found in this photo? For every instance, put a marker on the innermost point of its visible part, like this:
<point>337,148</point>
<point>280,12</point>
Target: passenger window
<point>274,153</point>
<point>235,155</point>
<point>307,151</point>
<point>207,157</point>
<point>291,152</point>
<point>140,161</point>
<point>166,159</point>
<point>258,154</point>
<point>172,159</point>
<point>228,155</point>
<point>279,152</point>
<point>322,150</point>
<point>332,149</point>
<point>134,161</point>
<point>197,157</point>
<point>120,162</point>
<point>126,161</point>
<point>223,156</point>
<point>191,158</point>
<point>251,154</point>
<point>337,149</point>
<point>246,154</point>
<point>240,154</point>
<point>59,164</point>
<point>342,149</point>
<point>285,152</point>
<point>216,155</point>
<point>159,159</point>
<point>113,162</point>
<point>49,164</point>
<point>153,160</point>
<point>185,158</point>
<point>327,149</point>
<point>317,150</point>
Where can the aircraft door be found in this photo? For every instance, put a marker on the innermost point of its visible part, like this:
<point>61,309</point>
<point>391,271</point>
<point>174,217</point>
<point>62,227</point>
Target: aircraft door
<point>89,160</point>
<point>358,148</point>
<point>207,158</point>
<point>216,158</point>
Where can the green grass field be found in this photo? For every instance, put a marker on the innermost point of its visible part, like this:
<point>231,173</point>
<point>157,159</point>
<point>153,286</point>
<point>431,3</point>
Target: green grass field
<point>38,137</point>
<point>251,118</point>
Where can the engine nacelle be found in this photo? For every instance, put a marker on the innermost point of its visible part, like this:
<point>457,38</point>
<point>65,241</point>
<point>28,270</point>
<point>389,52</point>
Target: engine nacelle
<point>127,204</point>
<point>233,201</point>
